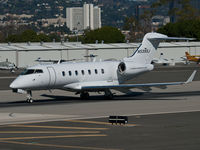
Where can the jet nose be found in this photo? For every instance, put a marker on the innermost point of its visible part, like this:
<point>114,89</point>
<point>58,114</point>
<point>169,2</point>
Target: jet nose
<point>19,83</point>
<point>13,85</point>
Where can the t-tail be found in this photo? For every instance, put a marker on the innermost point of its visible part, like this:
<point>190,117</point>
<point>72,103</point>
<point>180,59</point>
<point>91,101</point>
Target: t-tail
<point>146,51</point>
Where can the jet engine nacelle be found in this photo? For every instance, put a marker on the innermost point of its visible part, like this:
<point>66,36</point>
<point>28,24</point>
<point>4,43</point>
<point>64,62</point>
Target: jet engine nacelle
<point>129,68</point>
<point>122,68</point>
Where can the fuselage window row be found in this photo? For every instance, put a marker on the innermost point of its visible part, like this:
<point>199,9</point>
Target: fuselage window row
<point>82,72</point>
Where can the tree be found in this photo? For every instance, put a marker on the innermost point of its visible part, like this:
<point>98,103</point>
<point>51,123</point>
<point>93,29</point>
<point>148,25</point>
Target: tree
<point>13,38</point>
<point>145,22</point>
<point>106,34</point>
<point>182,28</point>
<point>1,37</point>
<point>44,38</point>
<point>185,10</point>
<point>54,37</point>
<point>130,24</point>
<point>29,35</point>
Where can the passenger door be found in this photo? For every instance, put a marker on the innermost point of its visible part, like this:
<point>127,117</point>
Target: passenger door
<point>52,76</point>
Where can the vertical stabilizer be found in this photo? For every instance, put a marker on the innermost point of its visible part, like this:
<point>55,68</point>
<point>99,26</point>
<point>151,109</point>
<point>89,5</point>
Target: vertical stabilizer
<point>145,53</point>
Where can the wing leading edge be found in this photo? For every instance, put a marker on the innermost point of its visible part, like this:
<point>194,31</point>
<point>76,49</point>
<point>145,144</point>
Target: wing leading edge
<point>128,86</point>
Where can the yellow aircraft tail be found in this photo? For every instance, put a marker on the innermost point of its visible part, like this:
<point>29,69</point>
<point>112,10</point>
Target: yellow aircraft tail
<point>188,56</point>
<point>191,57</point>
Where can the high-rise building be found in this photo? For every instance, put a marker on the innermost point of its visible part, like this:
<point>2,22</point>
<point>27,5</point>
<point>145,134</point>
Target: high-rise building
<point>86,17</point>
<point>97,17</point>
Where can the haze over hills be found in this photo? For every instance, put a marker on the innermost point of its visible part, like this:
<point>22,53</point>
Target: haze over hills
<point>133,17</point>
<point>113,11</point>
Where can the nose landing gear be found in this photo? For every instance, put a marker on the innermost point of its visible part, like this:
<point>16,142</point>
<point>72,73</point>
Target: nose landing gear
<point>29,97</point>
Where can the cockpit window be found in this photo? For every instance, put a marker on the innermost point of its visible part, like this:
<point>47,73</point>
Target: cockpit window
<point>38,71</point>
<point>28,71</point>
<point>31,71</point>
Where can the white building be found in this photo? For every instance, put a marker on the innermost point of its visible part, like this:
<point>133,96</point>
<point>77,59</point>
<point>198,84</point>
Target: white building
<point>97,17</point>
<point>86,17</point>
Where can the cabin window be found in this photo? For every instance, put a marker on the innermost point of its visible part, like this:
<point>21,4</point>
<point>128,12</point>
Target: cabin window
<point>89,72</point>
<point>102,71</point>
<point>76,72</point>
<point>63,73</point>
<point>70,73</point>
<point>95,70</point>
<point>82,71</point>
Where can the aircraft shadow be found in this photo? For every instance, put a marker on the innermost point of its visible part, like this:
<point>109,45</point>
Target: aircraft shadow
<point>54,99</point>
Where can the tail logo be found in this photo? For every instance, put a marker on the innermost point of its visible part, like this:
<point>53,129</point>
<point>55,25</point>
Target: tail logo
<point>144,50</point>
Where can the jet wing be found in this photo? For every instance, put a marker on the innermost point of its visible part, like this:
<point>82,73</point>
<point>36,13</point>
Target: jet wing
<point>145,85</point>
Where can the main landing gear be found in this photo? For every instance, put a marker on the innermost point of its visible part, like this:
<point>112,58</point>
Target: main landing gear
<point>108,94</point>
<point>29,97</point>
<point>84,95</point>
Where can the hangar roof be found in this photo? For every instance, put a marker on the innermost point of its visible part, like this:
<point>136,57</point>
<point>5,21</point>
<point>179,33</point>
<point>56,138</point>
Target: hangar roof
<point>53,46</point>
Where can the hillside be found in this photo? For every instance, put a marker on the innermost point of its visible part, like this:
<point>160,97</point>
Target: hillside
<point>113,11</point>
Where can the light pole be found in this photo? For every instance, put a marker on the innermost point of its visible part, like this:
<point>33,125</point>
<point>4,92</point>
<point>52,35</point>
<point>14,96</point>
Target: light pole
<point>77,31</point>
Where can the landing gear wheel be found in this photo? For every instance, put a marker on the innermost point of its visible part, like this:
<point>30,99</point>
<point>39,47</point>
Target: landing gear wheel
<point>30,100</point>
<point>108,94</point>
<point>84,95</point>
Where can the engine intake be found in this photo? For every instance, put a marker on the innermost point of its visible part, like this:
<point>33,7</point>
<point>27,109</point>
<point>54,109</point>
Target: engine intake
<point>122,67</point>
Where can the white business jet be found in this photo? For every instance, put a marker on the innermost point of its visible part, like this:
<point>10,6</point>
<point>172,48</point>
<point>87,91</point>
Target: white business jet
<point>85,77</point>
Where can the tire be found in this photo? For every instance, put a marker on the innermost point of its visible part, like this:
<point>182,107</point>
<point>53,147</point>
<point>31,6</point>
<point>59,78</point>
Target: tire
<point>84,95</point>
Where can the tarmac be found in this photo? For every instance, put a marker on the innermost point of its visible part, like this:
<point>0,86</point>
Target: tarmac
<point>159,119</point>
<point>179,131</point>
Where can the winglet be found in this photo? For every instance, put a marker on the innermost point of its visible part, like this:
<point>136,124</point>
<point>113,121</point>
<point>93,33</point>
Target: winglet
<point>190,79</point>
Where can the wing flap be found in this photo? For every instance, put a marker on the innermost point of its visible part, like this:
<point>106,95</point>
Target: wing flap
<point>145,85</point>
<point>131,85</point>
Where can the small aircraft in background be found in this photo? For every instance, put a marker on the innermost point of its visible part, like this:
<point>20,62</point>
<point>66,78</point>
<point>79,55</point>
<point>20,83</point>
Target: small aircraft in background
<point>168,62</point>
<point>194,58</point>
<point>50,61</point>
<point>161,60</point>
<point>92,57</point>
<point>6,65</point>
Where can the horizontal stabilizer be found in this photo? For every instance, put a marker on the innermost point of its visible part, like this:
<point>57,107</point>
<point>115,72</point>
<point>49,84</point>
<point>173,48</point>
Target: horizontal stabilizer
<point>172,38</point>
